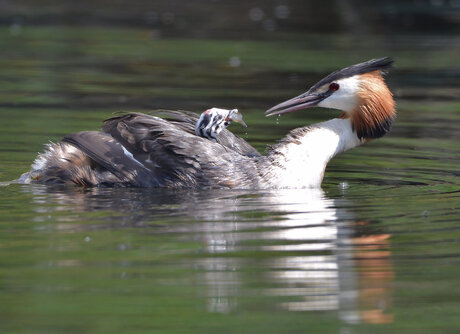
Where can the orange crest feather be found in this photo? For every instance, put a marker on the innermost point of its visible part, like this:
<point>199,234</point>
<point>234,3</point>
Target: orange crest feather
<point>376,108</point>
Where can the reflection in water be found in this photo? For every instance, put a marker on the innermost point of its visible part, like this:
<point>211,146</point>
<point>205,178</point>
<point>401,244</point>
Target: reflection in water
<point>304,222</point>
<point>99,258</point>
<point>295,247</point>
<point>376,275</point>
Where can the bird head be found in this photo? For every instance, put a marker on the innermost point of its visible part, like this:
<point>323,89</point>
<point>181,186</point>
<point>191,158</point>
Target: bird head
<point>358,90</point>
<point>214,120</point>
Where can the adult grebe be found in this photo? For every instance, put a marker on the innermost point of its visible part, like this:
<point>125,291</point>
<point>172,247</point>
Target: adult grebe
<point>147,151</point>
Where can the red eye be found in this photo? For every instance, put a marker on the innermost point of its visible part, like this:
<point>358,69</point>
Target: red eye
<point>334,86</point>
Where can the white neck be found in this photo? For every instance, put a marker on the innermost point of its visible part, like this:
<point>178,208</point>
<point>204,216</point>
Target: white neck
<point>301,158</point>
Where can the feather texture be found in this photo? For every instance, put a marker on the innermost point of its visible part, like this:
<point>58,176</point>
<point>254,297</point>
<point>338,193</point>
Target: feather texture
<point>163,149</point>
<point>147,151</point>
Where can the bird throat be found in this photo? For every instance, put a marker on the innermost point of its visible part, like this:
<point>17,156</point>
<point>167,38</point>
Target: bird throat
<point>300,159</point>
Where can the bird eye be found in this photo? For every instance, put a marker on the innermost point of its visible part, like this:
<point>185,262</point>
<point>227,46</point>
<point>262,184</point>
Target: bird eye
<point>334,86</point>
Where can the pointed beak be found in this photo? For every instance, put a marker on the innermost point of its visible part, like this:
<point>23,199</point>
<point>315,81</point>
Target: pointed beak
<point>238,118</point>
<point>240,121</point>
<point>303,101</point>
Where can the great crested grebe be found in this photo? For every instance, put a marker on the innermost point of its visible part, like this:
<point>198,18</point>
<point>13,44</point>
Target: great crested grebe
<point>147,151</point>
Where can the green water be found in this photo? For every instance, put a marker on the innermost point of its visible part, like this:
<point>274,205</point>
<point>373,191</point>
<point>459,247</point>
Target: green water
<point>376,250</point>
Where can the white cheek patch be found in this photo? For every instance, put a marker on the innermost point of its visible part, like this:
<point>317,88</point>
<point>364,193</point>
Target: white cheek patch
<point>346,97</point>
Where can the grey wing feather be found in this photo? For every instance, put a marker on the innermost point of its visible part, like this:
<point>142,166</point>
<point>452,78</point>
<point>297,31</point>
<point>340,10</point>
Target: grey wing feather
<point>147,151</point>
<point>171,154</point>
<point>175,156</point>
<point>186,121</point>
<point>110,154</point>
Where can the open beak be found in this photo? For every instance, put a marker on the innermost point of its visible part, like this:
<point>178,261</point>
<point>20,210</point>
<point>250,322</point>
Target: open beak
<point>303,101</point>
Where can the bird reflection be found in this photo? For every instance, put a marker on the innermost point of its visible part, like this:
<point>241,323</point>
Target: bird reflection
<point>296,247</point>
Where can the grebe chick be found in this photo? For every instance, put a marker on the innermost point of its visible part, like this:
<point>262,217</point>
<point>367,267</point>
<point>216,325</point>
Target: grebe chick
<point>214,120</point>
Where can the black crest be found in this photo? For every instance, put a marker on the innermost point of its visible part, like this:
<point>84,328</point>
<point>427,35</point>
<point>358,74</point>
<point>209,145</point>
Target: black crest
<point>366,67</point>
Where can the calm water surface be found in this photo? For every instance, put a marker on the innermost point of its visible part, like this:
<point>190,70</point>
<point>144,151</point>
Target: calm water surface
<point>376,250</point>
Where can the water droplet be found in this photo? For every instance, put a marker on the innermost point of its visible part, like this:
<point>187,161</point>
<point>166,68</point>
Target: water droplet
<point>234,61</point>
<point>282,12</point>
<point>256,14</point>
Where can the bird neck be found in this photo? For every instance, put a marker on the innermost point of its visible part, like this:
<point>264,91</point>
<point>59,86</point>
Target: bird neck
<point>300,159</point>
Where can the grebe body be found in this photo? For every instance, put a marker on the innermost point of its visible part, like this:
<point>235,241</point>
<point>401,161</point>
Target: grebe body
<point>182,149</point>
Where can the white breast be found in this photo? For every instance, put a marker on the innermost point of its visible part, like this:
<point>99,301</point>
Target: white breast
<point>303,165</point>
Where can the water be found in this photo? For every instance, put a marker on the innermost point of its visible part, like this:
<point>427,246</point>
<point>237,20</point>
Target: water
<point>376,250</point>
